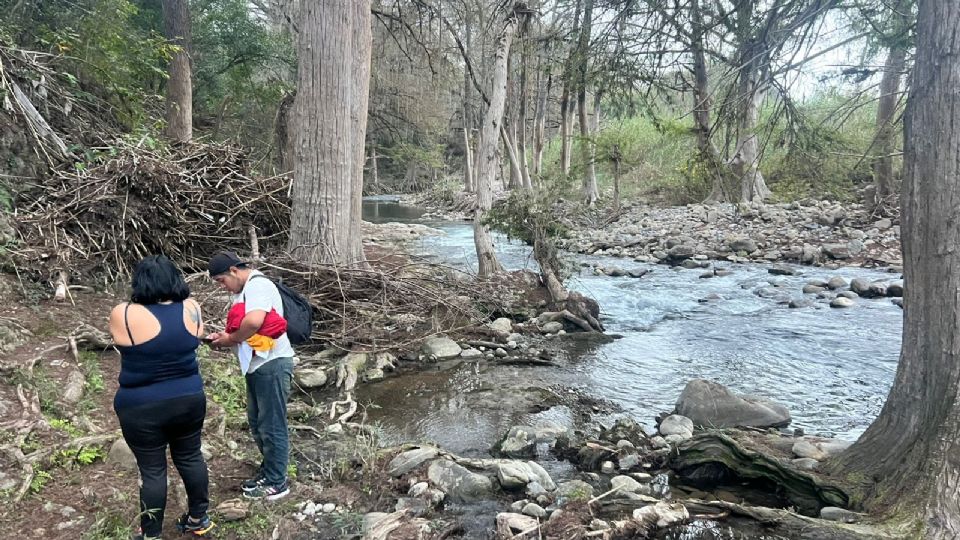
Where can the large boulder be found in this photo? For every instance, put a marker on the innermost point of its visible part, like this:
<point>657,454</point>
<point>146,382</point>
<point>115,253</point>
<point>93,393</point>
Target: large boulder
<point>308,378</point>
<point>711,404</point>
<point>521,441</point>
<point>407,461</point>
<point>513,474</point>
<point>441,347</point>
<point>458,482</point>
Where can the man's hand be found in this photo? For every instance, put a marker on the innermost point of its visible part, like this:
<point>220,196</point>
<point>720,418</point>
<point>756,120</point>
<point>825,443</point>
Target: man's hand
<point>220,339</point>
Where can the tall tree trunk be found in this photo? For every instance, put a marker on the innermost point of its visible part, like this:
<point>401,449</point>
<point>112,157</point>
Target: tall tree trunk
<point>468,110</point>
<point>179,106</point>
<point>539,128</point>
<point>566,103</point>
<point>374,168</point>
<point>908,457</point>
<point>701,108</point>
<point>283,125</point>
<point>615,157</point>
<point>587,144</point>
<point>487,163</point>
<point>468,184</point>
<point>886,136</point>
<point>746,160</point>
<point>522,120</point>
<point>330,114</point>
<point>513,159</point>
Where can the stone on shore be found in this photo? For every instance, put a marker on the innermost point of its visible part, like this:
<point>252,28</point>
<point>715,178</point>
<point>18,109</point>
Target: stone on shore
<point>441,347</point>
<point>712,405</point>
<point>458,482</point>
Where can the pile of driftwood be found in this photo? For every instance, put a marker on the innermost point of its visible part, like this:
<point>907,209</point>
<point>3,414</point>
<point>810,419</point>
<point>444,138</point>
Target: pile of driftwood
<point>390,304</point>
<point>187,202</point>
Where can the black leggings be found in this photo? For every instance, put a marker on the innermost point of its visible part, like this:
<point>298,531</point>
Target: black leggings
<point>148,429</point>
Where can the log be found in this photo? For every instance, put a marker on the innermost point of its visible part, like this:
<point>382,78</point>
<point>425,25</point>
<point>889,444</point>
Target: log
<point>725,454</point>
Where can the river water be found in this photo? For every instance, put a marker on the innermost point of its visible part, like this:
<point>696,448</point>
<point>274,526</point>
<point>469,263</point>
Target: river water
<point>831,368</point>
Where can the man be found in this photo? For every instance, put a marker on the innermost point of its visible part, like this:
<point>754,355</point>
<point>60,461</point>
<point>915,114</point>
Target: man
<point>268,373</point>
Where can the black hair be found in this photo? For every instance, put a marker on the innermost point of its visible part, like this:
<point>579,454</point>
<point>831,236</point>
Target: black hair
<point>156,279</point>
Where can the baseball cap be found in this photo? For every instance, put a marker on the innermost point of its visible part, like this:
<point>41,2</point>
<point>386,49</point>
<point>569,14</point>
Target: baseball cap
<point>222,261</point>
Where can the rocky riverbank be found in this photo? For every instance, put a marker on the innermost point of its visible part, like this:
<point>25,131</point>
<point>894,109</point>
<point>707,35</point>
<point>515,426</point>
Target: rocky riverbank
<point>805,232</point>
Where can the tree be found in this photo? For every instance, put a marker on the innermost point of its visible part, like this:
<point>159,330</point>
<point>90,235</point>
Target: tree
<point>487,162</point>
<point>587,145</point>
<point>885,141</point>
<point>179,106</point>
<point>330,119</point>
<point>908,458</point>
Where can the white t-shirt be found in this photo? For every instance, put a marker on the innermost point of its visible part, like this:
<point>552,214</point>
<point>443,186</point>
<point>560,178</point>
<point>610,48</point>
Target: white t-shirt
<point>262,294</point>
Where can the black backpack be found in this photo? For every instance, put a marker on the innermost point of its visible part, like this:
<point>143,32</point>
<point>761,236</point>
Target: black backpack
<point>296,310</point>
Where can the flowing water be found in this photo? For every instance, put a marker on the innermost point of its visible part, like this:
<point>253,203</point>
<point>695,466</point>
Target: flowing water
<point>831,368</point>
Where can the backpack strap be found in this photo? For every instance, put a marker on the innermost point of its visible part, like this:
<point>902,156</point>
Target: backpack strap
<point>126,323</point>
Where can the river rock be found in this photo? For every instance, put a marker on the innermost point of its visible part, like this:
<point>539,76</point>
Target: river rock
<point>860,286</point>
<point>663,514</point>
<point>637,273</point>
<point>418,489</point>
<point>628,462</point>
<point>534,510</point>
<point>625,484</point>
<point>710,404</point>
<point>782,270</point>
<point>842,302</point>
<point>470,354</point>
<point>836,282</point>
<point>513,475</point>
<point>895,289</point>
<point>832,513</point>
<point>680,253</point>
<point>608,467</point>
<point>897,302</point>
<point>458,482</point>
<point>308,378</point>
<point>576,490</point>
<point>551,327</point>
<point>806,449</point>
<point>741,244</point>
<point>812,289</point>
<point>676,424</point>
<point>412,506</point>
<point>509,524</point>
<point>819,283</point>
<point>798,303</point>
<point>407,461</point>
<point>121,457</point>
<point>877,290</point>
<point>832,447</point>
<point>441,347</point>
<point>836,251</point>
<point>502,325</point>
<point>849,294</point>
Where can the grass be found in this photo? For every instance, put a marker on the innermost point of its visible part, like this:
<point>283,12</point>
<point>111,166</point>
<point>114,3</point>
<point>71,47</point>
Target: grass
<point>818,152</point>
<point>224,384</point>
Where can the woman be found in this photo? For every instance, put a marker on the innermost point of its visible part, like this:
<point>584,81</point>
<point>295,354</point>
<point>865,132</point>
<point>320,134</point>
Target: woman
<point>160,401</point>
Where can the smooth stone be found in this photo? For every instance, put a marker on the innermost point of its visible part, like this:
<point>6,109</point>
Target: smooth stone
<point>502,325</point>
<point>805,449</point>
<point>836,282</point>
<point>458,482</point>
<point>713,405</point>
<point>441,347</point>
<point>410,460</point>
<point>832,513</point>
<point>676,424</point>
<point>534,510</point>
<point>625,484</point>
<point>607,467</point>
<point>842,302</point>
<point>551,327</point>
<point>308,378</point>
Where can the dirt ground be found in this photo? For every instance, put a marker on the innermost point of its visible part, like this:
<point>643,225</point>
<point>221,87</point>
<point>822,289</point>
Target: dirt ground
<point>77,492</point>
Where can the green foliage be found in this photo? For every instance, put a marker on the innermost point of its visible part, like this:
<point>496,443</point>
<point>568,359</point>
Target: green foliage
<point>84,455</point>
<point>40,479</point>
<point>242,68</point>
<point>66,426</point>
<point>224,383</point>
<point>90,363</point>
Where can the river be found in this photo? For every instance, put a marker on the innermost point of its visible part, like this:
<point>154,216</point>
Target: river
<point>832,368</point>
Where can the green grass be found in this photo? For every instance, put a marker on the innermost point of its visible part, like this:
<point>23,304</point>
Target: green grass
<point>818,152</point>
<point>224,383</point>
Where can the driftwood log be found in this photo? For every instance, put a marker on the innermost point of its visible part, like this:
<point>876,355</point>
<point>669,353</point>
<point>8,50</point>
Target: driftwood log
<point>717,456</point>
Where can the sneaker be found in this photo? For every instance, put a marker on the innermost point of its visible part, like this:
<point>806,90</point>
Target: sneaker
<point>200,527</point>
<point>253,483</point>
<point>269,492</point>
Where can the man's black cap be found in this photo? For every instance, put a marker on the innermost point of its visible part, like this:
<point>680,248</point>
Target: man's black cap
<point>222,261</point>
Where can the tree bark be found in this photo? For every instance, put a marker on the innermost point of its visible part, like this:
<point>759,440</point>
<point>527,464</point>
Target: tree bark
<point>566,105</point>
<point>886,137</point>
<point>179,105</point>
<point>330,115</point>
<point>709,154</point>
<point>513,159</point>
<point>746,160</point>
<point>587,145</point>
<point>487,162</point>
<point>522,121</point>
<point>908,457</point>
<point>539,128</point>
<point>468,116</point>
<point>468,183</point>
